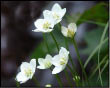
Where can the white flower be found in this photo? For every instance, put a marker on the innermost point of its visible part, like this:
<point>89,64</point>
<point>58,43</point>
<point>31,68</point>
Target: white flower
<point>56,13</point>
<point>48,85</point>
<point>60,61</point>
<point>44,25</point>
<point>27,71</point>
<point>45,63</point>
<point>70,31</point>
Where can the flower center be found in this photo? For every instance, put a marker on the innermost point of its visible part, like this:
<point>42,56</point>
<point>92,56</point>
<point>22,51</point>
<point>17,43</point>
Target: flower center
<point>47,64</point>
<point>56,16</point>
<point>46,25</point>
<point>70,33</point>
<point>62,61</point>
<point>28,72</point>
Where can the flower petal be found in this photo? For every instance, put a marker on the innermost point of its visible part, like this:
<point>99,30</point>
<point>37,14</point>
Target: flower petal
<point>58,69</point>
<point>33,62</point>
<point>72,27</point>
<point>56,60</point>
<point>48,57</point>
<point>47,14</point>
<point>56,7</point>
<point>21,77</point>
<point>36,30</point>
<point>64,31</point>
<point>41,61</point>
<point>63,53</point>
<point>41,67</point>
<point>42,30</point>
<point>38,23</point>
<point>62,12</point>
<point>24,66</point>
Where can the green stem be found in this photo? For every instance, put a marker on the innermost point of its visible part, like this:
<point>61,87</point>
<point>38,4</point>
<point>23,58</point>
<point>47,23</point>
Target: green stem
<point>79,59</point>
<point>46,43</point>
<point>70,83</point>
<point>17,84</point>
<point>35,81</point>
<point>55,40</point>
<point>73,66</point>
<point>58,49</point>
<point>58,79</point>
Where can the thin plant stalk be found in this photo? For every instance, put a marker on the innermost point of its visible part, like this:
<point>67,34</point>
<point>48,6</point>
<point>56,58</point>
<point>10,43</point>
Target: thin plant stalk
<point>73,66</point>
<point>17,84</point>
<point>79,59</point>
<point>57,77</point>
<point>58,50</point>
<point>35,81</point>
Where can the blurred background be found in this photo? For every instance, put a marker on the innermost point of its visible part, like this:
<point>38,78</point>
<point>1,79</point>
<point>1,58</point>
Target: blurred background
<point>19,43</point>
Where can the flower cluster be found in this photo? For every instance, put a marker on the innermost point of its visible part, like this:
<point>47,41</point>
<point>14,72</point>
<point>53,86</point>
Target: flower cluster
<point>50,19</point>
<point>59,61</point>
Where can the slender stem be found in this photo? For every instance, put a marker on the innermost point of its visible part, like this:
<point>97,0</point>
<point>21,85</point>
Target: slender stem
<point>79,59</point>
<point>17,84</point>
<point>55,40</point>
<point>70,83</point>
<point>73,66</point>
<point>58,49</point>
<point>58,79</point>
<point>72,74</point>
<point>46,43</point>
<point>35,81</point>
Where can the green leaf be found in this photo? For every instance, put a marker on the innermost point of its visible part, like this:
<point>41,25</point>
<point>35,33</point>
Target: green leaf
<point>97,13</point>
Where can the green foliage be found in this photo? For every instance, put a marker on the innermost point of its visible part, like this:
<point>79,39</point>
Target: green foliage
<point>97,13</point>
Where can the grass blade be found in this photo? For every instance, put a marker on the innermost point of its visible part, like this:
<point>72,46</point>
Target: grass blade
<point>93,52</point>
<point>102,38</point>
<point>93,72</point>
<point>103,69</point>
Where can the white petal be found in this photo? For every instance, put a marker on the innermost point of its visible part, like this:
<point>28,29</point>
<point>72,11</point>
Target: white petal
<point>56,7</point>
<point>40,67</point>
<point>39,23</point>
<point>36,30</point>
<point>21,77</point>
<point>56,60</point>
<point>64,31</point>
<point>48,57</point>
<point>64,53</point>
<point>41,61</point>
<point>62,12</point>
<point>72,27</point>
<point>58,69</point>
<point>24,66</point>
<point>43,30</point>
<point>47,14</point>
<point>33,63</point>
